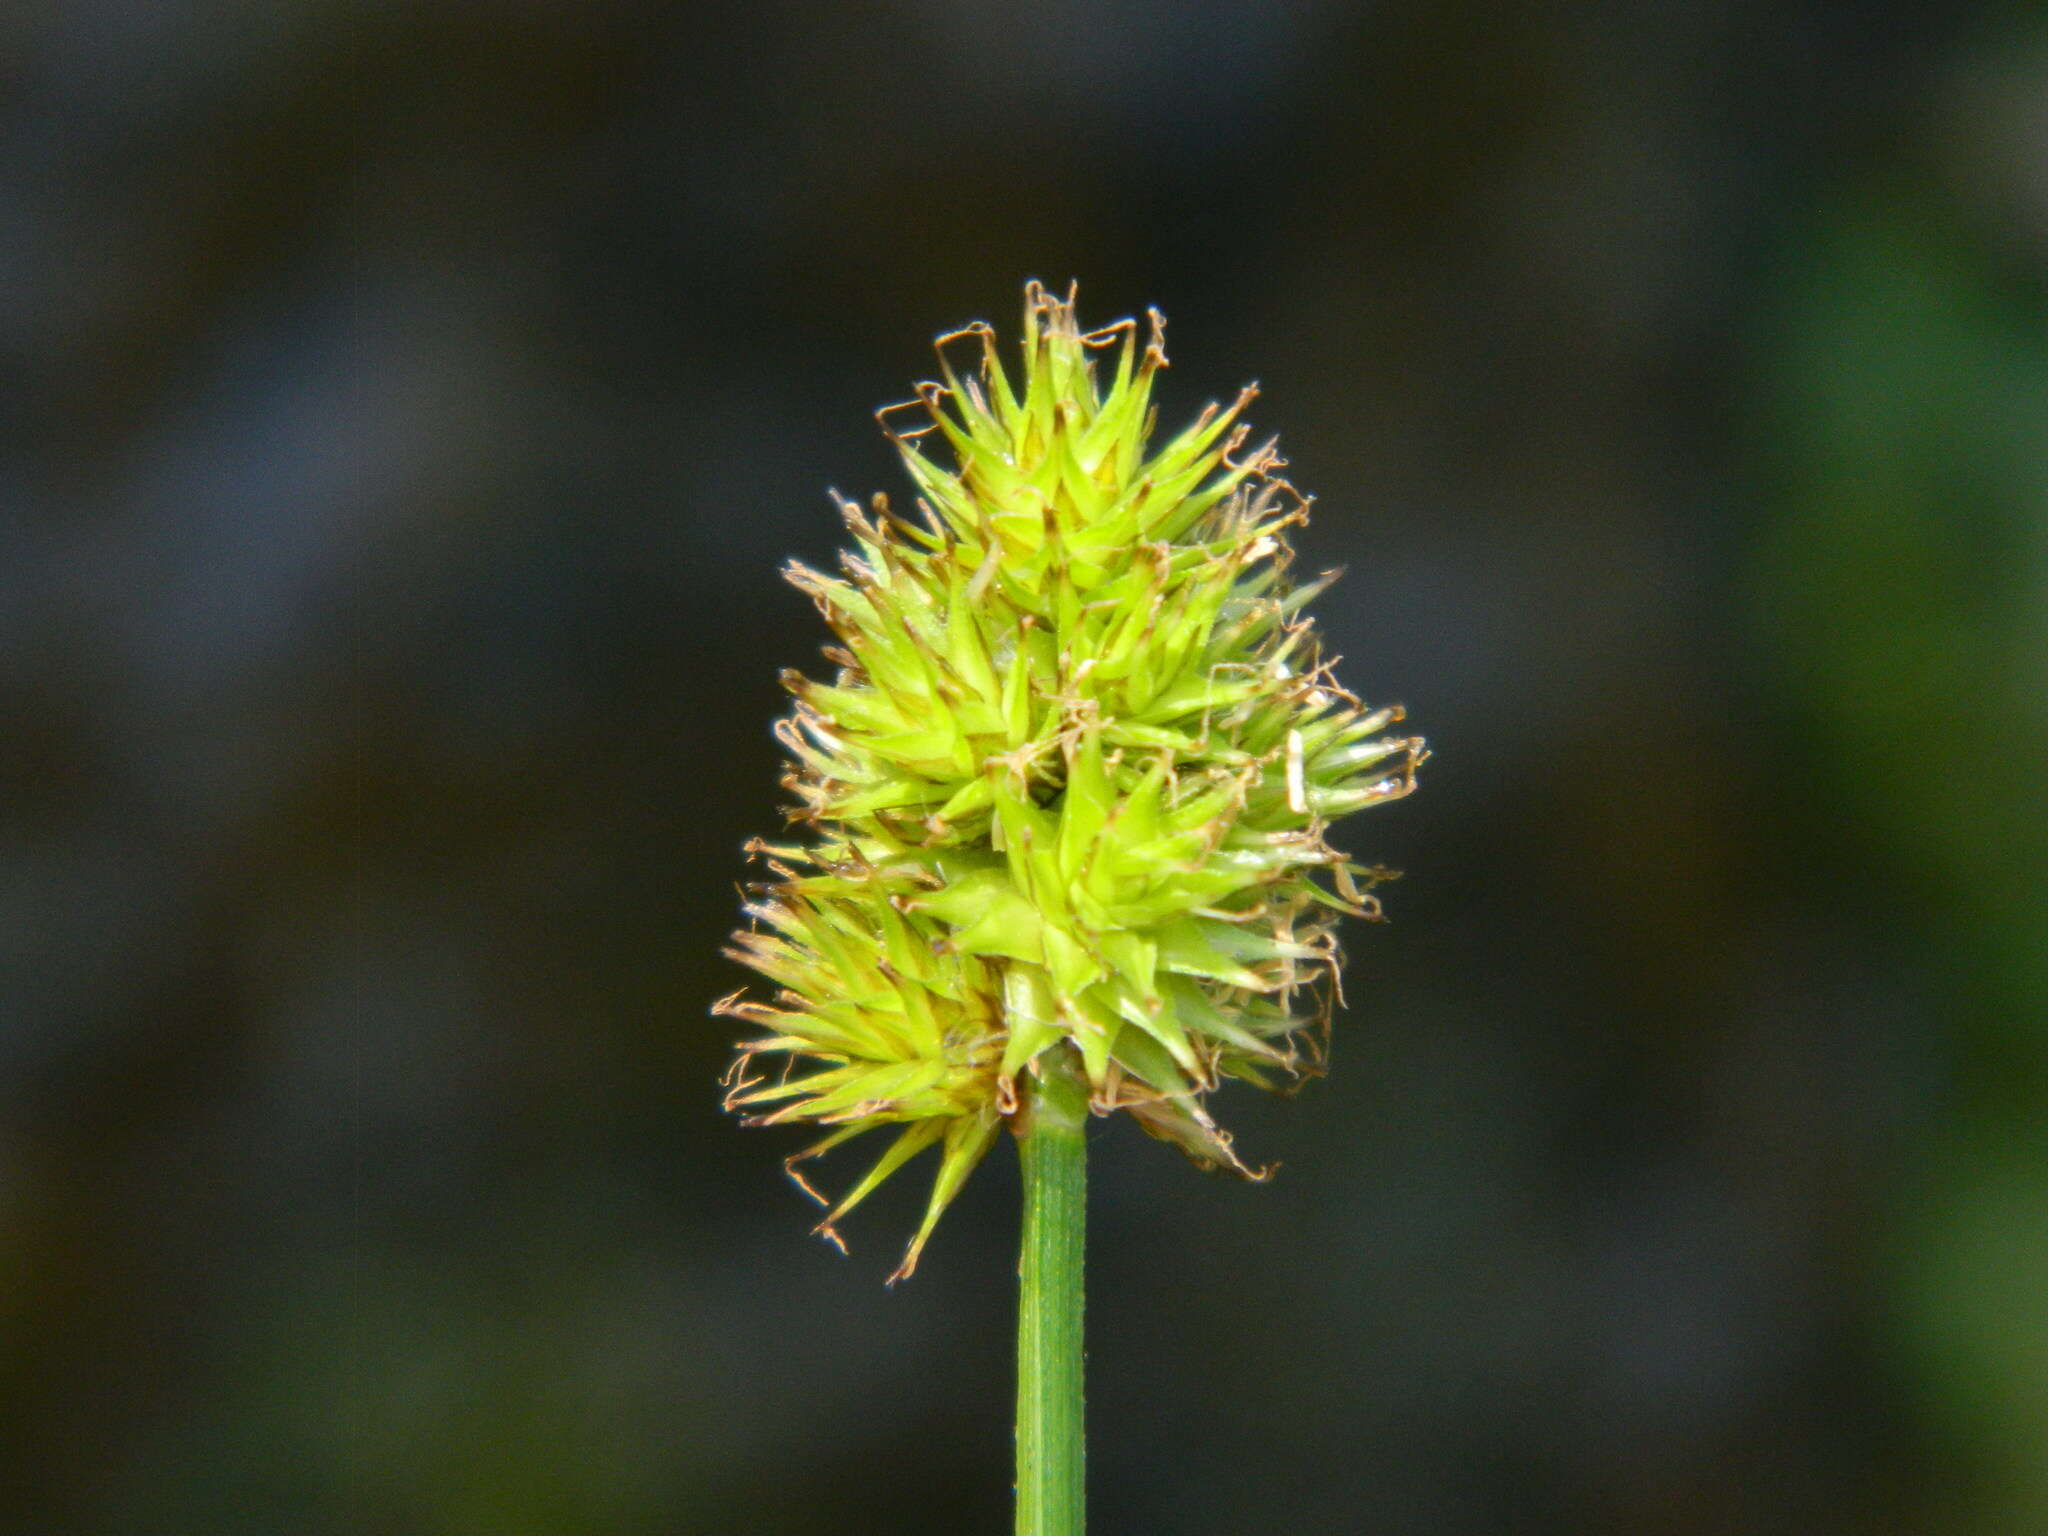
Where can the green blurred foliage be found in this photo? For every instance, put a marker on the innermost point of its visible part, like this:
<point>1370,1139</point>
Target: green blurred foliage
<point>1900,591</point>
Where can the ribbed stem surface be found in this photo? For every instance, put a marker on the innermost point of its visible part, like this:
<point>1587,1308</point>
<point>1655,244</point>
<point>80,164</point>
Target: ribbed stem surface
<point>1051,1498</point>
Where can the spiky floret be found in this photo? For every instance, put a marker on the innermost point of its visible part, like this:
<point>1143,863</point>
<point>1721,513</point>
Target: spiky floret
<point>1068,790</point>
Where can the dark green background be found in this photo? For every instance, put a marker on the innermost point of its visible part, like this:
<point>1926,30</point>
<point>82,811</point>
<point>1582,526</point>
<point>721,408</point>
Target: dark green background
<point>406,408</point>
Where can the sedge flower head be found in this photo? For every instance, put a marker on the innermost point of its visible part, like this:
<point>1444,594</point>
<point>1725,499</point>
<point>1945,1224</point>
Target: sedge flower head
<point>1066,797</point>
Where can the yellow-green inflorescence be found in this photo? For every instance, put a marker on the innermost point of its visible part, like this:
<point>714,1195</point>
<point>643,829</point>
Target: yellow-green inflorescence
<point>1064,801</point>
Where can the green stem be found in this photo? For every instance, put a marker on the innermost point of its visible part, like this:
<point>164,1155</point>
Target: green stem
<point>1050,1448</point>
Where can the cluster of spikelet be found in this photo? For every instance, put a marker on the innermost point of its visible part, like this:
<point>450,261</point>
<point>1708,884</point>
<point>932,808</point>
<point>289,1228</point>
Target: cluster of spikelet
<point>1064,802</point>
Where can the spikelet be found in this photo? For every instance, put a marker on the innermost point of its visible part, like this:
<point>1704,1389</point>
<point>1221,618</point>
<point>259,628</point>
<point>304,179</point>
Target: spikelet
<point>1068,789</point>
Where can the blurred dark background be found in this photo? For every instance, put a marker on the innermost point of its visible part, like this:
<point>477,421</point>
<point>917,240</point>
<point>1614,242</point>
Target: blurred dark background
<point>406,409</point>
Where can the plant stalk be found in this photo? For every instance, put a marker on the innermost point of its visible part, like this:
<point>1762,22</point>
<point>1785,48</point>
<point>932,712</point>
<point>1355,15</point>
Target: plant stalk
<point>1051,1449</point>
